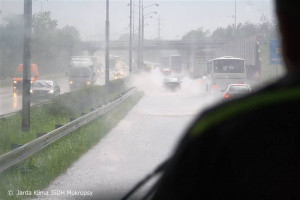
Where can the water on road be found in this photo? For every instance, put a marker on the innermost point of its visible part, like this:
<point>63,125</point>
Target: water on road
<point>137,145</point>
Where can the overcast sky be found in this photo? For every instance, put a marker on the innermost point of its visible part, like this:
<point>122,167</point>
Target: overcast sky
<point>177,17</point>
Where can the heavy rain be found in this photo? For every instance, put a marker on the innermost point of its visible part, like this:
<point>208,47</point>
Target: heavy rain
<point>172,60</point>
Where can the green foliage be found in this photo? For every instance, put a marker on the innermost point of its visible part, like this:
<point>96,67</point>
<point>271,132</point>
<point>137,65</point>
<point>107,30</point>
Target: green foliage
<point>11,44</point>
<point>265,30</point>
<point>198,34</point>
<point>51,46</point>
<point>44,118</point>
<point>38,171</point>
<point>43,24</point>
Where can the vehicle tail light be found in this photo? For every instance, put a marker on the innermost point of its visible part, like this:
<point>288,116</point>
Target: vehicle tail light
<point>215,86</point>
<point>226,96</point>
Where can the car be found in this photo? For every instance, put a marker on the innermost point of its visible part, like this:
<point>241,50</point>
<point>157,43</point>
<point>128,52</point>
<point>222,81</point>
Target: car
<point>166,71</point>
<point>236,90</point>
<point>172,84</point>
<point>44,89</point>
<point>118,74</point>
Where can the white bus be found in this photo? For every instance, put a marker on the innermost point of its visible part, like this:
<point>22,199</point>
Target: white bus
<point>223,71</point>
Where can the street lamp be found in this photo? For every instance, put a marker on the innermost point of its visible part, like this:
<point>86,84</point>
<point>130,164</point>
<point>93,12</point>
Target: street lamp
<point>235,14</point>
<point>154,4</point>
<point>143,22</point>
<point>107,45</point>
<point>142,31</point>
<point>130,39</point>
<point>143,27</point>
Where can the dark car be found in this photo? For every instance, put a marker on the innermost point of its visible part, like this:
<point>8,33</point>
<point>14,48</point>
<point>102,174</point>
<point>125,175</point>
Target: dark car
<point>172,84</point>
<point>44,89</point>
<point>236,90</point>
<point>166,71</point>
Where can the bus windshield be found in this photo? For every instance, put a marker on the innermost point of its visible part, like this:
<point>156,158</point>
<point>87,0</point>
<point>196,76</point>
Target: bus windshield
<point>228,66</point>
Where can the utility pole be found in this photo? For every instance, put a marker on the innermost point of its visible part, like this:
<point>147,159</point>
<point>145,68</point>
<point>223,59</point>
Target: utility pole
<point>158,28</point>
<point>139,42</point>
<point>130,39</point>
<point>235,15</point>
<point>133,21</point>
<point>235,18</point>
<point>107,45</point>
<point>1,73</point>
<point>142,40</point>
<point>41,1</point>
<point>26,66</point>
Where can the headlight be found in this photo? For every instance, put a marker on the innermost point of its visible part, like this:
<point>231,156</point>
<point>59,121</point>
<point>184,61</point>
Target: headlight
<point>51,91</point>
<point>15,82</point>
<point>31,81</point>
<point>88,82</point>
<point>31,91</point>
<point>71,82</point>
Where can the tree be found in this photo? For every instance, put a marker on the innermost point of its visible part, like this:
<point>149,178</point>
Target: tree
<point>51,46</point>
<point>11,44</point>
<point>198,34</point>
<point>265,30</point>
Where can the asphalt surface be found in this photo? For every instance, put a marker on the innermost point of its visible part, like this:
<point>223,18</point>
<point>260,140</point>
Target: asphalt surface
<point>11,102</point>
<point>136,146</point>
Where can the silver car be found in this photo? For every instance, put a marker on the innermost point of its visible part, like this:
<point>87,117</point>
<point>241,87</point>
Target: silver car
<point>44,89</point>
<point>236,90</point>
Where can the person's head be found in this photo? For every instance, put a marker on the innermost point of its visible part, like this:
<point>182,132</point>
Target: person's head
<point>288,12</point>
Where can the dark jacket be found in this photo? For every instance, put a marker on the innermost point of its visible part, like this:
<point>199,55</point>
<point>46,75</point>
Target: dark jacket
<point>244,149</point>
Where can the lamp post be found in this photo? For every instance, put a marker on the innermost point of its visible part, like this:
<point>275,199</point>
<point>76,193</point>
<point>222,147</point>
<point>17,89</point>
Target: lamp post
<point>139,38</point>
<point>107,45</point>
<point>140,28</point>
<point>235,14</point>
<point>132,36</point>
<point>143,27</point>
<point>142,31</point>
<point>130,39</point>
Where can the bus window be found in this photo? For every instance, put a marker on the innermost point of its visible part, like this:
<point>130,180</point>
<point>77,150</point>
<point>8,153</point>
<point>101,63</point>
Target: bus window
<point>229,66</point>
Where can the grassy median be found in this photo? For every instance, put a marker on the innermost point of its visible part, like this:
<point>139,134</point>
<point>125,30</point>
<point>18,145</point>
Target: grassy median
<point>36,172</point>
<point>59,112</point>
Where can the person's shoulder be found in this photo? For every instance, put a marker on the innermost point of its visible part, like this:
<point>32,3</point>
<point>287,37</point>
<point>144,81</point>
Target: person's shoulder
<point>284,90</point>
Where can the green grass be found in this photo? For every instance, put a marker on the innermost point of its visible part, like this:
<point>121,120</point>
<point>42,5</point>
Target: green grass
<point>41,122</point>
<point>4,85</point>
<point>39,170</point>
<point>43,119</point>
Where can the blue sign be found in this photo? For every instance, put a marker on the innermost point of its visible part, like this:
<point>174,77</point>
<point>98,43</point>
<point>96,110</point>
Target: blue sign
<point>275,53</point>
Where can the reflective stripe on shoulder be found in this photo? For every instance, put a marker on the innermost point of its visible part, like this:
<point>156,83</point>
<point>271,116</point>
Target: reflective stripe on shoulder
<point>218,116</point>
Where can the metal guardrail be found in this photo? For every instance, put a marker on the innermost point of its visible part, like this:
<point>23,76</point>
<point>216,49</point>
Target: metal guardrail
<point>17,155</point>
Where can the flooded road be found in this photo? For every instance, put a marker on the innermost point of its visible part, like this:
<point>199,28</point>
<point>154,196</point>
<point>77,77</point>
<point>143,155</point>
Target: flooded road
<point>11,102</point>
<point>137,145</point>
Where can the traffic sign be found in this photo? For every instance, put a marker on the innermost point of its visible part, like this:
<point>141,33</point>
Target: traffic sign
<point>275,53</point>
